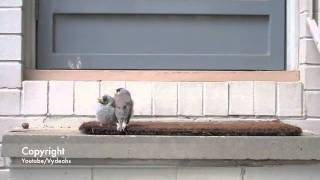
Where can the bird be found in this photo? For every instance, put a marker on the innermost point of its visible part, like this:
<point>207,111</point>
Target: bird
<point>123,108</point>
<point>106,110</point>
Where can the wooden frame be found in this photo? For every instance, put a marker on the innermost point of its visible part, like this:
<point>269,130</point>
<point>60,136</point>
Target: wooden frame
<point>30,73</point>
<point>148,75</point>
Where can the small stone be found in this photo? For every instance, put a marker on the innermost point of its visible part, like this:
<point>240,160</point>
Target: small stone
<point>25,125</point>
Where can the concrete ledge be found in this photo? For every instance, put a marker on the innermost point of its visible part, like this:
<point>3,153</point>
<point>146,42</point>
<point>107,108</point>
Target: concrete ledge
<point>77,145</point>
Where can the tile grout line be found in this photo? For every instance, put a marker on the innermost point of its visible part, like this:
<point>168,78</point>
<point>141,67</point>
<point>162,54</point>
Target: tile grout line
<point>253,98</point>
<point>242,173</point>
<point>74,97</point>
<point>152,99</point>
<point>276,100</point>
<point>48,93</point>
<point>204,91</point>
<point>229,92</point>
<point>178,98</point>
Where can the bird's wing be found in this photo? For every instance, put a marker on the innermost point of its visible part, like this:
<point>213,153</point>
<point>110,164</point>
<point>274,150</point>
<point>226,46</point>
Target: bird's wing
<point>130,112</point>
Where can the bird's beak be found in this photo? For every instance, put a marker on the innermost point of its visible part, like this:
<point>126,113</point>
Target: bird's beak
<point>99,100</point>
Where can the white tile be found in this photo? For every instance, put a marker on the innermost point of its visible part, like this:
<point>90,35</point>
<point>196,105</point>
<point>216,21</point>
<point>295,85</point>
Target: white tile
<point>292,172</point>
<point>134,173</point>
<point>165,98</point>
<point>50,173</point>
<point>10,75</point>
<point>305,5</point>
<point>265,98</point>
<point>61,97</point>
<point>289,99</point>
<point>110,87</point>
<point>141,93</point>
<point>35,97</point>
<point>10,3</point>
<point>304,29</point>
<point>310,76</point>
<point>4,174</point>
<point>2,160</point>
<point>312,101</point>
<point>241,98</point>
<point>216,100</point>
<point>86,94</point>
<point>190,98</point>
<point>9,102</point>
<point>10,47</point>
<point>209,173</point>
<point>10,20</point>
<point>308,52</point>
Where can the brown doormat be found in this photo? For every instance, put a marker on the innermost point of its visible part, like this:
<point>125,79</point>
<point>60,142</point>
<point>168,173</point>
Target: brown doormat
<point>215,128</point>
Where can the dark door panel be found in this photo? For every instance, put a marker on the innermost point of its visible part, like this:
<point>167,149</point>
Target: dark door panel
<point>162,34</point>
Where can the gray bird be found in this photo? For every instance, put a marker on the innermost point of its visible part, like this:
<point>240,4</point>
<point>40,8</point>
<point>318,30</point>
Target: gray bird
<point>106,110</point>
<point>123,108</point>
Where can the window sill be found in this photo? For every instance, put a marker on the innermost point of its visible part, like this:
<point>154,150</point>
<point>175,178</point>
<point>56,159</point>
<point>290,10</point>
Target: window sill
<point>148,75</point>
<point>82,146</point>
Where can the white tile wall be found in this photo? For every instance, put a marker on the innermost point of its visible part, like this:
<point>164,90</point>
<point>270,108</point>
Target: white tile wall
<point>9,102</point>
<point>209,173</point>
<point>312,101</point>
<point>10,75</point>
<point>134,173</point>
<point>216,98</point>
<point>289,99</point>
<point>308,52</point>
<point>51,174</point>
<point>297,172</point>
<point>141,93</point>
<point>10,47</point>
<point>190,98</point>
<point>10,3</point>
<point>10,20</point>
<point>34,97</point>
<point>165,98</point>
<point>241,98</point>
<point>265,98</point>
<point>61,97</point>
<point>86,94</point>
<point>310,76</point>
<point>109,87</point>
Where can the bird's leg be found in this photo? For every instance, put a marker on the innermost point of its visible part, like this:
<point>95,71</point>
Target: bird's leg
<point>124,125</point>
<point>118,127</point>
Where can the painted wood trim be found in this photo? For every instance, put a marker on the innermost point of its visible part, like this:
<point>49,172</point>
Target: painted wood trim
<point>292,34</point>
<point>148,75</point>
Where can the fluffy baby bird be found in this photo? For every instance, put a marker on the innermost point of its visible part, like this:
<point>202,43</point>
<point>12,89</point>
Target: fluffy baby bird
<point>106,110</point>
<point>123,108</point>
